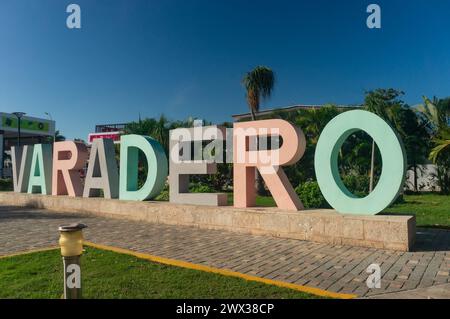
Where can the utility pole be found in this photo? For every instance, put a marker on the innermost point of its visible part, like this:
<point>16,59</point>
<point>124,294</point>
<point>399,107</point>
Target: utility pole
<point>19,116</point>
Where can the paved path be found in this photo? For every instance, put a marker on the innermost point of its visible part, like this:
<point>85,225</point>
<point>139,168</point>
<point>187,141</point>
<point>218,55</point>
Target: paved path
<point>330,267</point>
<point>433,292</point>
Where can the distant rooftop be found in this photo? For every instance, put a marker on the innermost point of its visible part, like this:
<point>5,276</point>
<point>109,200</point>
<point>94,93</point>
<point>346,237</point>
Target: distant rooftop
<point>105,128</point>
<point>238,117</point>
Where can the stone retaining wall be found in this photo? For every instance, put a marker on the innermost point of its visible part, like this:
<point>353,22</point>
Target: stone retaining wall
<point>325,225</point>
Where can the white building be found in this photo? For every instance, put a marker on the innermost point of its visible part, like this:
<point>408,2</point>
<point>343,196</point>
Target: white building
<point>33,130</point>
<point>427,180</point>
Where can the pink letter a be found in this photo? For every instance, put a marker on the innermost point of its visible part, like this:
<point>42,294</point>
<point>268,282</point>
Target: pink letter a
<point>68,159</point>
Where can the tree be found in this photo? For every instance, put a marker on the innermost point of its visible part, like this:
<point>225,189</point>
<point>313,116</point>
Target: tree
<point>56,138</point>
<point>312,122</point>
<point>259,84</point>
<point>159,130</point>
<point>435,114</point>
<point>155,128</point>
<point>415,138</point>
<point>355,155</point>
<point>382,102</point>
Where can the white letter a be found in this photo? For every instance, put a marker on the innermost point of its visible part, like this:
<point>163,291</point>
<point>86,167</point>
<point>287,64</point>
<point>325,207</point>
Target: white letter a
<point>74,19</point>
<point>374,20</point>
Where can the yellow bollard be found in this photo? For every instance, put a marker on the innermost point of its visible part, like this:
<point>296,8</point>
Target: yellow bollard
<point>71,242</point>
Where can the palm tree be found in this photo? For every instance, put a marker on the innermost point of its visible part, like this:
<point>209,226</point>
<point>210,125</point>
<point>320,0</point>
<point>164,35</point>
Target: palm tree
<point>382,102</point>
<point>314,121</point>
<point>435,113</point>
<point>156,128</point>
<point>430,113</point>
<point>56,138</point>
<point>161,131</point>
<point>415,137</point>
<point>259,84</point>
<point>442,145</point>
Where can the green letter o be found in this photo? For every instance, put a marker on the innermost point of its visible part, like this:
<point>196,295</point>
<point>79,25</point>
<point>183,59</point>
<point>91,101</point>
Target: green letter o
<point>326,163</point>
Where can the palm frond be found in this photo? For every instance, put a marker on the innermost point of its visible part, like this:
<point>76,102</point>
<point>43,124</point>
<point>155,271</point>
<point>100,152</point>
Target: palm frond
<point>441,146</point>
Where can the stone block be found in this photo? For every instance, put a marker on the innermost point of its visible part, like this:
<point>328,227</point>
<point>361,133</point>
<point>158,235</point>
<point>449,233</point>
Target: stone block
<point>274,222</point>
<point>242,219</point>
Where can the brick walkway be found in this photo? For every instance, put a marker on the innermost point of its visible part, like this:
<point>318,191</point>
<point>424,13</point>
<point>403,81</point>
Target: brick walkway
<point>330,267</point>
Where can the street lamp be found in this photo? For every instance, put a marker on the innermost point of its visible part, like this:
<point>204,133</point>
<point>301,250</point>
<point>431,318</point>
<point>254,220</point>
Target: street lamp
<point>19,116</point>
<point>71,242</point>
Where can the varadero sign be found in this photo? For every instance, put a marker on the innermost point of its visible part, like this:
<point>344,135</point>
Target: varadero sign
<point>38,169</point>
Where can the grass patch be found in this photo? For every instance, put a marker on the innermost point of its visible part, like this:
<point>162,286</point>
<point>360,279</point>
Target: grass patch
<point>262,201</point>
<point>111,275</point>
<point>431,210</point>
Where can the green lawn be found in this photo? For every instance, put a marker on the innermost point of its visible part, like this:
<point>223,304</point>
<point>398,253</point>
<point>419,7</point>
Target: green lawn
<point>431,210</point>
<point>111,275</point>
<point>263,201</point>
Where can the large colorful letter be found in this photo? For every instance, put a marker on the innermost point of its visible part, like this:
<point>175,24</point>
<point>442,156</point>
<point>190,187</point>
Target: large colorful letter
<point>21,164</point>
<point>102,172</point>
<point>247,159</point>
<point>40,180</point>
<point>156,163</point>
<point>326,163</point>
<point>68,159</point>
<point>203,162</point>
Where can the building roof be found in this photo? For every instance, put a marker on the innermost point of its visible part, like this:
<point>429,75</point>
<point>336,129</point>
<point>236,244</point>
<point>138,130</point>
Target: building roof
<point>291,108</point>
<point>104,128</point>
<point>29,126</point>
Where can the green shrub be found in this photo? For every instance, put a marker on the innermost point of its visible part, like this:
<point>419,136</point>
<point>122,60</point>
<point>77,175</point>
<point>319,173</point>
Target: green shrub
<point>357,184</point>
<point>164,195</point>
<point>399,200</point>
<point>311,196</point>
<point>193,188</point>
<point>200,188</point>
<point>6,185</point>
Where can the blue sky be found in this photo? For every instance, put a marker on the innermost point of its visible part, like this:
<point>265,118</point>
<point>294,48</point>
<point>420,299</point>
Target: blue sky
<point>187,57</point>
